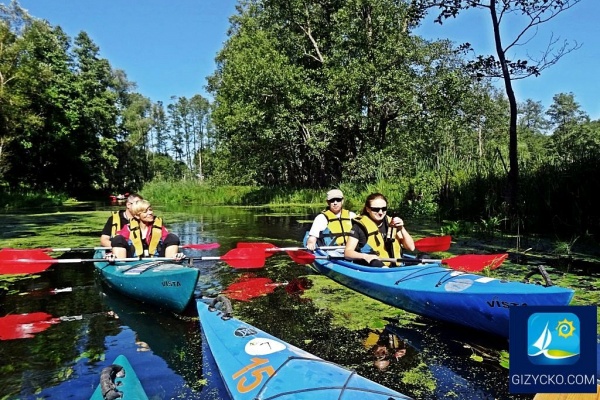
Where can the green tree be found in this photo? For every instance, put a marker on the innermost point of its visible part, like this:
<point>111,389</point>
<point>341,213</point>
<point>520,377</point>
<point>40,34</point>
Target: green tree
<point>95,105</point>
<point>313,93</point>
<point>160,128</point>
<point>43,83</point>
<point>61,107</point>
<point>12,102</point>
<point>565,110</point>
<point>574,138</point>
<point>533,14</point>
<point>533,140</point>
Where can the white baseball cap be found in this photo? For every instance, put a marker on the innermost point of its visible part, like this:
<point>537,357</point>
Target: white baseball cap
<point>335,194</point>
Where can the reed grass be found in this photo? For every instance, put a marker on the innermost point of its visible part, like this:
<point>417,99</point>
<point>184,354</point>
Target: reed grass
<point>198,193</point>
<point>18,199</point>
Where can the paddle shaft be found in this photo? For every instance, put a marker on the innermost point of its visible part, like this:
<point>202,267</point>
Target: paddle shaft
<point>63,249</point>
<point>409,260</point>
<point>275,249</point>
<point>13,262</point>
<point>428,244</point>
<point>84,260</point>
<point>200,246</point>
<point>470,263</point>
<point>271,248</point>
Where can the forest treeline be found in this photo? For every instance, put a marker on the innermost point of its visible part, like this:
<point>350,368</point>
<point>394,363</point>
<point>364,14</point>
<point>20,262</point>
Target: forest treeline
<point>307,95</point>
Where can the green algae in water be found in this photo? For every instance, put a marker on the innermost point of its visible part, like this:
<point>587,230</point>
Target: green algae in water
<point>351,309</point>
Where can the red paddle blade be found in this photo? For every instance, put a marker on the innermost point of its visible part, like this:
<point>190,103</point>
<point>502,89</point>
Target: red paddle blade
<point>248,287</point>
<point>268,249</point>
<point>433,244</point>
<point>301,256</point>
<point>256,245</point>
<point>475,262</point>
<point>245,258</point>
<point>23,326</point>
<point>9,263</point>
<point>201,246</point>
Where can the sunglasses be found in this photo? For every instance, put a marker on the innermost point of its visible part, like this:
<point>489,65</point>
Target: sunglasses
<point>336,200</point>
<point>377,209</point>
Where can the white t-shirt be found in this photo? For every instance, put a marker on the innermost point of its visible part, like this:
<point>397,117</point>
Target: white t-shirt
<point>320,223</point>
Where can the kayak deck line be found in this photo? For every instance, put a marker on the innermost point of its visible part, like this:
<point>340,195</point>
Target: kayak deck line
<point>343,388</point>
<point>447,276</point>
<point>435,291</point>
<point>160,282</point>
<point>152,266</point>
<point>256,365</point>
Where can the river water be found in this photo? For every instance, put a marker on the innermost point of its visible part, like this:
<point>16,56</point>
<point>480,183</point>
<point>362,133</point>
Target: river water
<point>93,325</point>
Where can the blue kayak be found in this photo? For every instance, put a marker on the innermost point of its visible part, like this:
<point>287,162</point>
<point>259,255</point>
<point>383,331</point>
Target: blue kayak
<point>119,381</point>
<point>256,365</point>
<point>436,292</point>
<point>162,283</point>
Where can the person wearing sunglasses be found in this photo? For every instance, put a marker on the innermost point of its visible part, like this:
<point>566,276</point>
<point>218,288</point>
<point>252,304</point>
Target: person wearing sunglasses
<point>375,235</point>
<point>331,227</point>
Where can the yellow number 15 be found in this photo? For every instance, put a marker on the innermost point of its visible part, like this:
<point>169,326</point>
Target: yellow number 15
<point>254,372</point>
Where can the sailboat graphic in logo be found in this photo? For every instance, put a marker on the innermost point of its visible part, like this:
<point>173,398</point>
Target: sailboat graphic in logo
<point>553,338</point>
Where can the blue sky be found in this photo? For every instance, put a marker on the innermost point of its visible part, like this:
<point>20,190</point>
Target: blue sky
<point>168,46</point>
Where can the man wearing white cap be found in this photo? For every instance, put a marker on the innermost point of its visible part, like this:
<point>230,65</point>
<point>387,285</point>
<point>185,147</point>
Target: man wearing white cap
<point>333,224</point>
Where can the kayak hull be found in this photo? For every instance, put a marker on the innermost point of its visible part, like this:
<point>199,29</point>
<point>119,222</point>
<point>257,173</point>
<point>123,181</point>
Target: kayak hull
<point>444,294</point>
<point>129,385</point>
<point>256,365</point>
<point>164,284</point>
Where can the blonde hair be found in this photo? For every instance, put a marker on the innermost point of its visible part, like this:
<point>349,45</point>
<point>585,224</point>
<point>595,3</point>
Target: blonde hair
<point>139,207</point>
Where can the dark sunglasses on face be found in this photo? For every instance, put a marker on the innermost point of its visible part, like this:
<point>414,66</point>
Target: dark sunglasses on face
<point>377,209</point>
<point>336,200</point>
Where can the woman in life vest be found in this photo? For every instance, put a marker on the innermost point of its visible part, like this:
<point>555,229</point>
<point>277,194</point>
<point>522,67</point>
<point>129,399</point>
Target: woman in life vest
<point>118,220</point>
<point>145,236</point>
<point>375,235</point>
<point>331,227</point>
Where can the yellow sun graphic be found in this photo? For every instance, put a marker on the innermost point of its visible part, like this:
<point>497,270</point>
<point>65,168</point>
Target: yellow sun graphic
<point>563,330</point>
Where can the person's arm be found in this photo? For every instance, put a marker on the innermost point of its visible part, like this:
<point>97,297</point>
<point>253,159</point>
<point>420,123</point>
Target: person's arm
<point>406,239</point>
<point>106,232</point>
<point>352,242</point>
<point>171,242</point>
<point>172,251</point>
<point>119,243</point>
<point>319,224</point>
<point>311,243</point>
<point>105,240</point>
<point>402,234</point>
<point>350,252</point>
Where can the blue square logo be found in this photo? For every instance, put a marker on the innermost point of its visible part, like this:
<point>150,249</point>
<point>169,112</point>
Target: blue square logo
<point>553,338</point>
<point>553,349</point>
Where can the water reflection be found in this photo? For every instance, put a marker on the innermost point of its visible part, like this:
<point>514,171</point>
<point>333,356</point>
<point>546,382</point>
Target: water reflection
<point>167,351</point>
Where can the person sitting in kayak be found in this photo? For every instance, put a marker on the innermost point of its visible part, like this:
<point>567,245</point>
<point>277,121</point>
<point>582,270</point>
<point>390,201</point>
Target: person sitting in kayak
<point>118,220</point>
<point>145,236</point>
<point>331,227</point>
<point>375,235</point>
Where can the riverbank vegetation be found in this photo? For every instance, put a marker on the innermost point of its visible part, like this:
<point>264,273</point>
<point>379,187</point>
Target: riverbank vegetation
<point>304,100</point>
